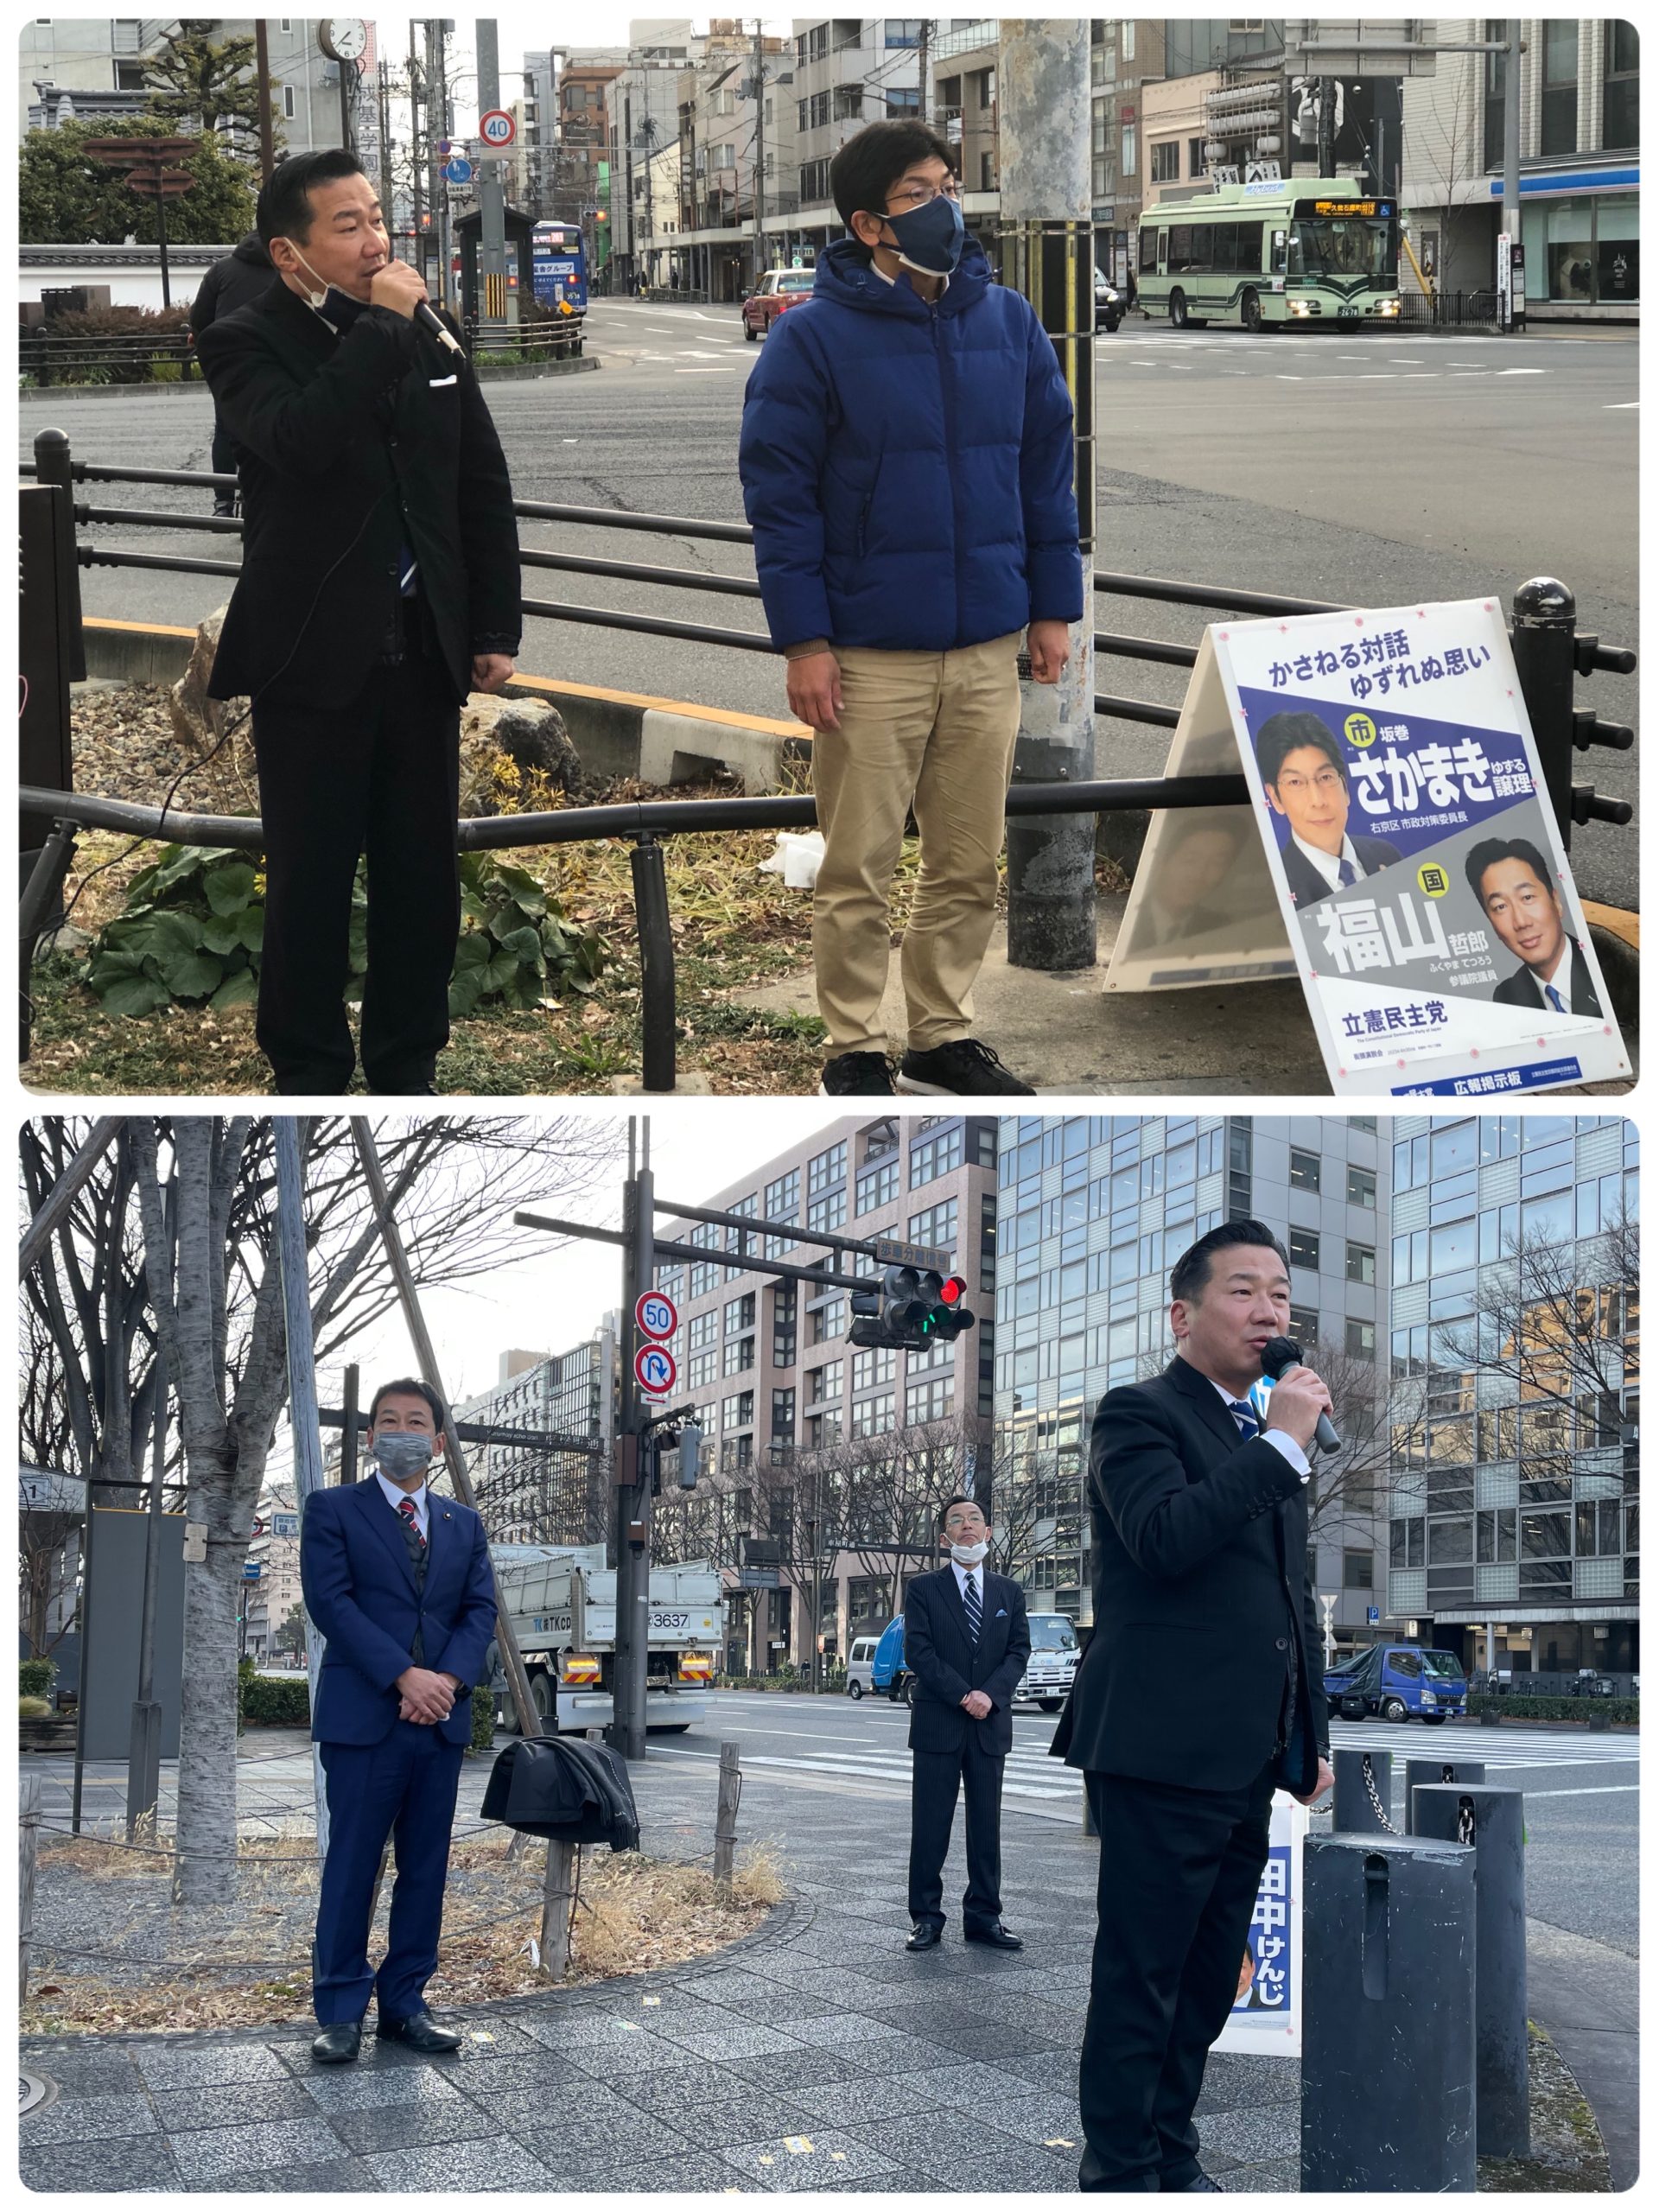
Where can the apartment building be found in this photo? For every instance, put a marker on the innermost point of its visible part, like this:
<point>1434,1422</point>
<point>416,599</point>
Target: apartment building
<point>533,1495</point>
<point>275,1550</point>
<point>733,105</point>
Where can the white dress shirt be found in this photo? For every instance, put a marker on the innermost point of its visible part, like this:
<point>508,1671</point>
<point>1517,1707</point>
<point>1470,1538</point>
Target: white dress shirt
<point>395,1498</point>
<point>1281,1439</point>
<point>1561,975</point>
<point>1330,866</point>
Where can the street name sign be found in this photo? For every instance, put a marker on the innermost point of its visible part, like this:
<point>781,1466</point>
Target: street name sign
<point>892,1254</point>
<point>654,1370</point>
<point>656,1315</point>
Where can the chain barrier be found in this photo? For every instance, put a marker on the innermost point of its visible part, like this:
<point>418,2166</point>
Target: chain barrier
<point>1378,1807</point>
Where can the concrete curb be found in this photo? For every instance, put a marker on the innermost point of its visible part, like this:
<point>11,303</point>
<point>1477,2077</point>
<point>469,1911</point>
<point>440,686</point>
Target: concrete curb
<point>490,372</point>
<point>617,733</point>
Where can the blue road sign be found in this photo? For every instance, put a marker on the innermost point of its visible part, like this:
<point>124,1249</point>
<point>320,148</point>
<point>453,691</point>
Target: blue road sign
<point>251,1570</point>
<point>1372,1616</point>
<point>458,172</point>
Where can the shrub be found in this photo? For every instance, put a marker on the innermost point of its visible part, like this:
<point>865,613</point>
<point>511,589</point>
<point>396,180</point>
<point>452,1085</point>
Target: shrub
<point>115,344</point>
<point>1626,1711</point>
<point>274,1703</point>
<point>35,1677</point>
<point>33,1708</point>
<point>483,1719</point>
<point>515,947</point>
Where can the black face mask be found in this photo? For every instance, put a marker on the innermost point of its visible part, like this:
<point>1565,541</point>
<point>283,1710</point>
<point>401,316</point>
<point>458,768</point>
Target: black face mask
<point>932,236</point>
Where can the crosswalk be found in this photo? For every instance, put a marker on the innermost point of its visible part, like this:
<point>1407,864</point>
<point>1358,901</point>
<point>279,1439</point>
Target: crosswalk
<point>1032,1776</point>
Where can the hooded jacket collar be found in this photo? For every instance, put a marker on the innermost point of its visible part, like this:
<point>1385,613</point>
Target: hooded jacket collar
<point>845,276</point>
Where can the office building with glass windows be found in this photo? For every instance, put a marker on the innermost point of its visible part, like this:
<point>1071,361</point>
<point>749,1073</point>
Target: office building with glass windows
<point>1092,1210</point>
<point>1513,1320</point>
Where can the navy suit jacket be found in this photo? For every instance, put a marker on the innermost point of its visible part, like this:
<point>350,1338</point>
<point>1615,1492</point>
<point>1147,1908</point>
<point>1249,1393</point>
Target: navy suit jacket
<point>1309,886</point>
<point>947,1665</point>
<point>1523,988</point>
<point>359,1590</point>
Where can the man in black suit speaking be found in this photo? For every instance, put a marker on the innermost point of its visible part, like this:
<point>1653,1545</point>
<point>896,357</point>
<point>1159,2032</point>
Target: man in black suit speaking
<point>379,585</point>
<point>1511,879</point>
<point>1197,1695</point>
<point>1305,777</point>
<point>966,1642</point>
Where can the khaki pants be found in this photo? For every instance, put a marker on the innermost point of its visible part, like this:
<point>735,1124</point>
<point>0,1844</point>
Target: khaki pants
<point>934,732</point>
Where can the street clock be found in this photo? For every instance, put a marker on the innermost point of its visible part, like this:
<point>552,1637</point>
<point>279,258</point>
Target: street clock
<point>343,38</point>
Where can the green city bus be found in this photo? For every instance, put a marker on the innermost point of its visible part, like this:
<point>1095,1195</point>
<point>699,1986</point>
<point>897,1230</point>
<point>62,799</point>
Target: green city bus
<point>1310,250</point>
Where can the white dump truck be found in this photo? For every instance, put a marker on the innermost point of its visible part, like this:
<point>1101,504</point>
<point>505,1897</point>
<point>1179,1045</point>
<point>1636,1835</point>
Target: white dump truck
<point>562,1606</point>
<point>1053,1661</point>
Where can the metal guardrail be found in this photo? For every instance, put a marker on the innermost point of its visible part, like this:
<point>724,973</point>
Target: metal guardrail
<point>1548,648</point>
<point>1474,310</point>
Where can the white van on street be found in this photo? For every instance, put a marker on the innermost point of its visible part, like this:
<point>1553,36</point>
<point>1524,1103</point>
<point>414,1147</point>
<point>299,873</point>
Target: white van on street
<point>860,1660</point>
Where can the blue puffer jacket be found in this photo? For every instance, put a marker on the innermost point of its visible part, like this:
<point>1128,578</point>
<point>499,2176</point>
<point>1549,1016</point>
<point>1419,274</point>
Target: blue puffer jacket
<point>906,466</point>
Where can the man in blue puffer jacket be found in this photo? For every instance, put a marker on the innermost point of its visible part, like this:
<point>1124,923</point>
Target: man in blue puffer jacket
<point>906,459</point>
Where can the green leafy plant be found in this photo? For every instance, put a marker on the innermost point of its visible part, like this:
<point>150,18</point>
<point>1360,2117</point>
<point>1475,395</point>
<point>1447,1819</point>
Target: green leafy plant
<point>483,1735</point>
<point>190,932</point>
<point>35,1677</point>
<point>274,1702</point>
<point>515,947</point>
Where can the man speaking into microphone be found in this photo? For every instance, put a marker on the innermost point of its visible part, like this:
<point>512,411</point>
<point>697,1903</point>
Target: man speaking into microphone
<point>379,586</point>
<point>1198,1693</point>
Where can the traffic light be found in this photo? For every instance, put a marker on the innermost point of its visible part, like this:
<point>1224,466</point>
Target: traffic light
<point>910,1310</point>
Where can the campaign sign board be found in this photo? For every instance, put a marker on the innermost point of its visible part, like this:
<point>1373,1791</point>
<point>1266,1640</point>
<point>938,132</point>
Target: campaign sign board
<point>1267,2017</point>
<point>1419,872</point>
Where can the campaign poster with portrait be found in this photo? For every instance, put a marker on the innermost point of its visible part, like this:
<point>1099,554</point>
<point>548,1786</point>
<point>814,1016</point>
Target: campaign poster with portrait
<point>1267,2017</point>
<point>1431,910</point>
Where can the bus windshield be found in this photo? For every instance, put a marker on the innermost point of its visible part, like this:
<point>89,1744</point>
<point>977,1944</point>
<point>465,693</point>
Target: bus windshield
<point>1052,1632</point>
<point>1347,248</point>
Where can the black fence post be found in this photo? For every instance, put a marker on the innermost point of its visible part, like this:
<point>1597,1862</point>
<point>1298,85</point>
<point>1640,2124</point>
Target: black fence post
<point>656,996</point>
<point>1546,621</point>
<point>1419,1773</point>
<point>1491,1820</point>
<point>1365,1784</point>
<point>52,466</point>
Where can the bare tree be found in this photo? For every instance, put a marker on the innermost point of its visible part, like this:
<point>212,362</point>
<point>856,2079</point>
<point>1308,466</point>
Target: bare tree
<point>207,1267</point>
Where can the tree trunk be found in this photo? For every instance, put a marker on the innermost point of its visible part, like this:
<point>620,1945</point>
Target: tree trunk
<point>205,1870</point>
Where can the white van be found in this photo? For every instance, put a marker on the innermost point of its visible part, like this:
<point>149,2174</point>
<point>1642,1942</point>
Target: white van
<point>861,1661</point>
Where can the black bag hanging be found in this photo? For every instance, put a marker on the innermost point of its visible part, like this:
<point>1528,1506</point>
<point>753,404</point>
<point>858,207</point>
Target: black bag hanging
<point>564,1789</point>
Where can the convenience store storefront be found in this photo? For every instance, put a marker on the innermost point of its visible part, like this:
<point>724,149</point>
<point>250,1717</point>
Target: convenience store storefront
<point>1581,229</point>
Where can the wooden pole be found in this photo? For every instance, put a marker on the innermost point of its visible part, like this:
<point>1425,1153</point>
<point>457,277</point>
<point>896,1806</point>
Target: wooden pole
<point>731,1789</point>
<point>262,53</point>
<point>348,1428</point>
<point>518,1680</point>
<point>54,1207</point>
<point>288,1134</point>
<point>556,1908</point>
<point>28,1842</point>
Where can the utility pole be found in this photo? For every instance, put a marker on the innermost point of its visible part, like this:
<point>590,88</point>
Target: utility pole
<point>634,1461</point>
<point>1511,170</point>
<point>924,91</point>
<point>262,63</point>
<point>437,113</point>
<point>759,88</point>
<point>500,305</point>
<point>1045,240</point>
<point>302,1392</point>
<point>415,90</point>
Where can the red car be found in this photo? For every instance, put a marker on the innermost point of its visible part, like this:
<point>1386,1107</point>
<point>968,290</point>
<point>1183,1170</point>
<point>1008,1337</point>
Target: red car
<point>778,290</point>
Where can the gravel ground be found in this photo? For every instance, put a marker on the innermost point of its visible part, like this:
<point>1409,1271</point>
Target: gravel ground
<point>126,746</point>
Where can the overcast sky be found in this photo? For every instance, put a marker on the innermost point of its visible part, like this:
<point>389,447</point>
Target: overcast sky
<point>522,30</point>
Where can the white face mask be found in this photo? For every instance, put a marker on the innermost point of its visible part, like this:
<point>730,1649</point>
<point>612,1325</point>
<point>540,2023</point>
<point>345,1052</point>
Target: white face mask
<point>315,299</point>
<point>969,1554</point>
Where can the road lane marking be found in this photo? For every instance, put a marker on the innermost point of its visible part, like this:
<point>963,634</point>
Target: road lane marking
<point>1613,406</point>
<point>1601,1789</point>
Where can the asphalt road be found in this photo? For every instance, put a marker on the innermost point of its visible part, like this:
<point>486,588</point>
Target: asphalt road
<point>1581,1791</point>
<point>1326,464</point>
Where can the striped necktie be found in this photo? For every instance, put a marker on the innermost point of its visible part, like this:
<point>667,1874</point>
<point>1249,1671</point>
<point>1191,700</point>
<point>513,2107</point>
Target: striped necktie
<point>411,1527</point>
<point>971,1606</point>
<point>1244,1414</point>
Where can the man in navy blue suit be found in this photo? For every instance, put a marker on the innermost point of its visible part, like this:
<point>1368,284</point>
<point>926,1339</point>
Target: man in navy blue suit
<point>966,1642</point>
<point>399,1582</point>
<point>1306,776</point>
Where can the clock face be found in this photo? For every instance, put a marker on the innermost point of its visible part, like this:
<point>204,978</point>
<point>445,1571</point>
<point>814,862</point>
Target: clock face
<point>345,38</point>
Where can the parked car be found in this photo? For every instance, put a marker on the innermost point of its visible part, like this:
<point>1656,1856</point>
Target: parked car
<point>1110,305</point>
<point>861,1665</point>
<point>778,290</point>
<point>1399,1682</point>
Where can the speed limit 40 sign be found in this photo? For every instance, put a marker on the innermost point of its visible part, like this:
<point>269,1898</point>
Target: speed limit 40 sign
<point>497,128</point>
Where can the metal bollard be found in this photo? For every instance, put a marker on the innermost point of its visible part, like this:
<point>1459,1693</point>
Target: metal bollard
<point>1492,1820</point>
<point>657,991</point>
<point>1546,620</point>
<point>52,466</point>
<point>1421,1772</point>
<point>1356,1808</point>
<point>1388,2014</point>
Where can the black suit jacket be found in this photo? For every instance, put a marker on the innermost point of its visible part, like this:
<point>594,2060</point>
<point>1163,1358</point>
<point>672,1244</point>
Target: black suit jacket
<point>1200,1579</point>
<point>349,448</point>
<point>1523,988</point>
<point>1309,886</point>
<point>947,1665</point>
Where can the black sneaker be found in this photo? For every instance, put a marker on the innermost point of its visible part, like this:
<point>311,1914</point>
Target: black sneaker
<point>856,1075</point>
<point>966,1068</point>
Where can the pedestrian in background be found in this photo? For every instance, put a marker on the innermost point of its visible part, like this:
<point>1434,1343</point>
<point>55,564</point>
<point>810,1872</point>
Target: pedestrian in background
<point>906,459</point>
<point>400,1583</point>
<point>966,1642</point>
<point>234,281</point>
<point>1198,1694</point>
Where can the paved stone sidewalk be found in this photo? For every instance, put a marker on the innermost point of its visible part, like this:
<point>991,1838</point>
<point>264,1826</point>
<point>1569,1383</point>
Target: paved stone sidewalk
<point>817,2054</point>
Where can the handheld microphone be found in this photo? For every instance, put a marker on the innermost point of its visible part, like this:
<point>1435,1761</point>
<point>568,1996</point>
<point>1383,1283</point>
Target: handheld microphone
<point>1278,1355</point>
<point>436,326</point>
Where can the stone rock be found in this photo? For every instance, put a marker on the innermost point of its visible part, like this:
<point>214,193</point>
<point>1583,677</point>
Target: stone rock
<point>199,722</point>
<point>528,732</point>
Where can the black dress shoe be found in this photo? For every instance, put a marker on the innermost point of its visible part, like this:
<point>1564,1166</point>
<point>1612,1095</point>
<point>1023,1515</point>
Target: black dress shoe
<point>420,2031</point>
<point>996,1935</point>
<point>339,2042</point>
<point>924,1936</point>
<point>1199,2180</point>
